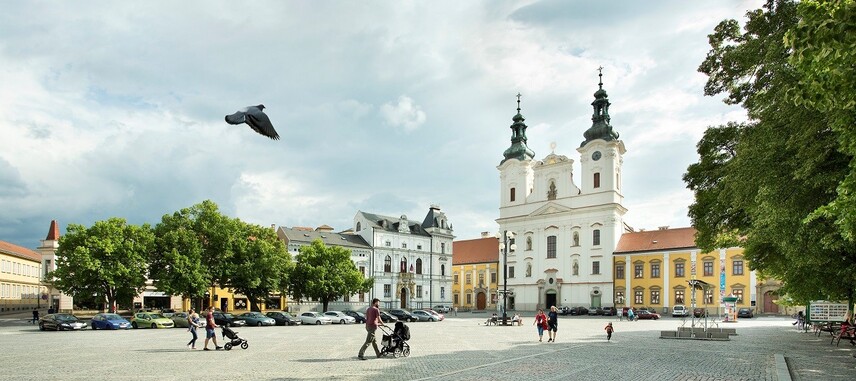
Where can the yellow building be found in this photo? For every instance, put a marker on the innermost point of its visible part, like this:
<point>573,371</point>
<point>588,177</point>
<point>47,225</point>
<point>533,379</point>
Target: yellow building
<point>20,276</point>
<point>652,269</point>
<point>475,277</point>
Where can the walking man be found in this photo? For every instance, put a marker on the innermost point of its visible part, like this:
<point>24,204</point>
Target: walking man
<point>35,315</point>
<point>372,322</point>
<point>209,329</point>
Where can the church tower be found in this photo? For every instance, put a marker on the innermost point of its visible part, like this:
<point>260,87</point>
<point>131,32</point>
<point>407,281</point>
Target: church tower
<point>601,154</point>
<point>515,169</point>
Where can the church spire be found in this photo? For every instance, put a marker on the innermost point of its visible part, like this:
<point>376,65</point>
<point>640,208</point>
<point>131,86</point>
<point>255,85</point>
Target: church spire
<point>600,127</point>
<point>518,149</point>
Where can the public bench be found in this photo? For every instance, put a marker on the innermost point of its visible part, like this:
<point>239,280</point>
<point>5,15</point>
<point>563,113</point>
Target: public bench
<point>846,332</point>
<point>826,326</point>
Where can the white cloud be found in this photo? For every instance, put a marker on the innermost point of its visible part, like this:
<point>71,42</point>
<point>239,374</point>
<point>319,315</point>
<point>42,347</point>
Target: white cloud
<point>405,114</point>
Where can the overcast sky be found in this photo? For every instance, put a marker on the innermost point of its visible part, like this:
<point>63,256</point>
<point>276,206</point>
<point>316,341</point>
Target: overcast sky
<point>115,109</point>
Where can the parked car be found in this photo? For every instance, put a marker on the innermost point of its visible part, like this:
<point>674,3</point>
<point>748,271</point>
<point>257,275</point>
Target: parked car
<point>168,312</point>
<point>338,317</point>
<point>699,312</point>
<point>745,313</point>
<point>283,318</point>
<point>439,316</point>
<point>680,310</point>
<point>578,311</point>
<point>61,322</point>
<point>647,315</point>
<point>423,315</point>
<point>228,320</point>
<point>609,311</point>
<point>592,311</point>
<point>359,317</point>
<point>180,319</point>
<point>256,318</point>
<point>109,321</point>
<point>387,318</point>
<point>403,315</point>
<point>312,317</point>
<point>150,320</point>
<point>442,308</point>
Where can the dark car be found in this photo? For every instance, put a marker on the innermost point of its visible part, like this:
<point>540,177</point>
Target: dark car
<point>745,313</point>
<point>358,316</point>
<point>579,311</point>
<point>283,318</point>
<point>228,320</point>
<point>699,312</point>
<point>647,315</point>
<point>61,322</point>
<point>403,315</point>
<point>592,311</point>
<point>609,311</point>
<point>387,318</point>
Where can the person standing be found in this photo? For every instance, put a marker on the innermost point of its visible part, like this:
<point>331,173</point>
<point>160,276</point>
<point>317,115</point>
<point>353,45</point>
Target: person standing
<point>553,320</point>
<point>192,324</point>
<point>541,323</point>
<point>608,330</point>
<point>630,315</point>
<point>209,329</point>
<point>35,315</point>
<point>372,322</point>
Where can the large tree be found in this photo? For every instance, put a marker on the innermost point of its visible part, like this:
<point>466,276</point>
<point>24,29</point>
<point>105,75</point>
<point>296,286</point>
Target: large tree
<point>764,181</point>
<point>326,273</point>
<point>260,264</point>
<point>110,258</point>
<point>177,263</point>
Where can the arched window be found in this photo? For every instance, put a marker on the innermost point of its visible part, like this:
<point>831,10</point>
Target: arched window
<point>387,264</point>
<point>597,180</point>
<point>528,243</point>
<point>443,270</point>
<point>359,226</point>
<point>513,194</point>
<point>418,266</point>
<point>403,265</point>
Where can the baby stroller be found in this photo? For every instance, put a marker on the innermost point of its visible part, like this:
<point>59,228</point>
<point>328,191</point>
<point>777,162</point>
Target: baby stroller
<point>234,339</point>
<point>395,342</point>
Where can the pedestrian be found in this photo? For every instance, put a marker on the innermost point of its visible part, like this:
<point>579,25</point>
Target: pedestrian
<point>541,323</point>
<point>456,310</point>
<point>50,310</point>
<point>372,322</point>
<point>35,315</point>
<point>608,330</point>
<point>553,323</point>
<point>192,324</point>
<point>209,330</point>
<point>630,315</point>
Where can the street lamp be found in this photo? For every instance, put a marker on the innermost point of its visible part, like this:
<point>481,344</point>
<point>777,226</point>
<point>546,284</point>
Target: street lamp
<point>507,235</point>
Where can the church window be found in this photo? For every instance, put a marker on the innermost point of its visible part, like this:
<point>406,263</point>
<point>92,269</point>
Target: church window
<point>595,237</point>
<point>442,248</point>
<point>551,193</point>
<point>403,265</point>
<point>419,266</point>
<point>528,243</point>
<point>359,226</point>
<point>576,238</point>
<point>597,180</point>
<point>442,270</point>
<point>513,194</point>
<point>595,267</point>
<point>387,264</point>
<point>404,245</point>
<point>551,246</point>
<point>511,271</point>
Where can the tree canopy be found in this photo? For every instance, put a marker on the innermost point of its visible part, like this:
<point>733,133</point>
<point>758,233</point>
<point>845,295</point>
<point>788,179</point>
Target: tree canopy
<point>775,182</point>
<point>326,273</point>
<point>110,258</point>
<point>260,264</point>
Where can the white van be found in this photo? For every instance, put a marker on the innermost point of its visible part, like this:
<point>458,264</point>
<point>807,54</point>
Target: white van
<point>680,310</point>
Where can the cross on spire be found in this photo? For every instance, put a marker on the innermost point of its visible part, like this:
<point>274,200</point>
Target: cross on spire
<point>518,102</point>
<point>600,77</point>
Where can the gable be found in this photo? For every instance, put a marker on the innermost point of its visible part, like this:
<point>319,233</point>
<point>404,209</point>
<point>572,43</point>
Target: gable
<point>550,208</point>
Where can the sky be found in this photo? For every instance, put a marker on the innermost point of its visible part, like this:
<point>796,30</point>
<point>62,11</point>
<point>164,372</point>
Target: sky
<point>115,109</point>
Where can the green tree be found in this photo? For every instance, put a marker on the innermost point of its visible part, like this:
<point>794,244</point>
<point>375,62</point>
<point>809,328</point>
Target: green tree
<point>109,258</point>
<point>260,264</point>
<point>177,265</point>
<point>763,181</point>
<point>326,273</point>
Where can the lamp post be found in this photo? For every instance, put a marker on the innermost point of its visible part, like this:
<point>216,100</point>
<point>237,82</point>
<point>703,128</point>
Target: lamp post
<point>507,235</point>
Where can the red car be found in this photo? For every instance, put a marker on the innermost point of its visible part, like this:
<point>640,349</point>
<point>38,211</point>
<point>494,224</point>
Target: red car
<point>644,314</point>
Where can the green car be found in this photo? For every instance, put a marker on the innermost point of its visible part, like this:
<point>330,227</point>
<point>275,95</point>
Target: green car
<point>152,320</point>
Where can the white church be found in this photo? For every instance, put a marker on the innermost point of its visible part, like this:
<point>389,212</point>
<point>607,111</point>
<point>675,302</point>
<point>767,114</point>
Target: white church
<point>563,232</point>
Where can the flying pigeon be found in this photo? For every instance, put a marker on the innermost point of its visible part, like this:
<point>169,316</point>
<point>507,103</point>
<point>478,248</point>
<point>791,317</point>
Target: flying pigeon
<point>255,118</point>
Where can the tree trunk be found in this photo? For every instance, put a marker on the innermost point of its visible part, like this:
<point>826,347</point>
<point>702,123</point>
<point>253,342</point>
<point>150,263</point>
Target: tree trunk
<point>254,304</point>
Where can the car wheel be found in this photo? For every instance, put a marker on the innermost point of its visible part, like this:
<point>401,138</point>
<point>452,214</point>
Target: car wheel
<point>342,321</point>
<point>259,324</point>
<point>134,324</point>
<point>41,327</point>
<point>318,322</point>
<point>94,327</point>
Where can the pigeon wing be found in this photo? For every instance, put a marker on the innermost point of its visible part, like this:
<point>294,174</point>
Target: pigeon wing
<point>260,123</point>
<point>236,118</point>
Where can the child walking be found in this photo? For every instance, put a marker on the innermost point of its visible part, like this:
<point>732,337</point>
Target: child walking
<point>608,330</point>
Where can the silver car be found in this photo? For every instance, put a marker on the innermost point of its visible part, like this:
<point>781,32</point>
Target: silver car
<point>312,317</point>
<point>338,317</point>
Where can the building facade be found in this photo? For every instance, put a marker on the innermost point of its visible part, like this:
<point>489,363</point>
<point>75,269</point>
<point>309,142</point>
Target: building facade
<point>475,274</point>
<point>56,299</point>
<point>653,269</point>
<point>20,278</point>
<point>411,262</point>
<point>564,233</point>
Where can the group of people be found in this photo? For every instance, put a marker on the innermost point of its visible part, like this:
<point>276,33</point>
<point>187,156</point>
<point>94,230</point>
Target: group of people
<point>193,323</point>
<point>550,322</point>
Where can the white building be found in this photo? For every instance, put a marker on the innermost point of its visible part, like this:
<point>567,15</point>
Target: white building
<point>412,261</point>
<point>564,233</point>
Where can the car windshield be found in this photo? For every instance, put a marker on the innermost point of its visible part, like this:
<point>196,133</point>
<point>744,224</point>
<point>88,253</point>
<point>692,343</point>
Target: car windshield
<point>228,316</point>
<point>112,317</point>
<point>65,317</point>
<point>157,316</point>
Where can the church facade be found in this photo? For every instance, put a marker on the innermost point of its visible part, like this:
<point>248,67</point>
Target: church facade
<point>564,232</point>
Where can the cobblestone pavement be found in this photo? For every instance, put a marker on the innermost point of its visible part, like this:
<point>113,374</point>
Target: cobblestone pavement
<point>459,348</point>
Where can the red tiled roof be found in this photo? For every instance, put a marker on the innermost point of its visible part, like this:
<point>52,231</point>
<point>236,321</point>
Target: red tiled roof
<point>656,240</point>
<point>53,232</point>
<point>20,252</point>
<point>480,250</point>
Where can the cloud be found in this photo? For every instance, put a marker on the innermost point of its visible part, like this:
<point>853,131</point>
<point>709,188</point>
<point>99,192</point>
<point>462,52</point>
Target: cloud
<point>405,114</point>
